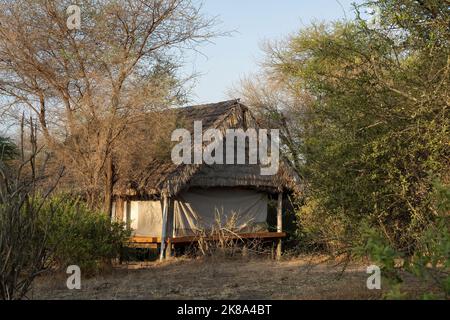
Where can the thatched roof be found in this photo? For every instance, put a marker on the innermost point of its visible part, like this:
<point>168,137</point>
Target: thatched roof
<point>163,176</point>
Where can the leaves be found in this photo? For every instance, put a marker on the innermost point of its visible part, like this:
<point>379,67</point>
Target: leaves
<point>8,149</point>
<point>375,134</point>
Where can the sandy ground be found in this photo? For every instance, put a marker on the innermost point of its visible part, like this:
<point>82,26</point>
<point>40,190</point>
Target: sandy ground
<point>299,278</point>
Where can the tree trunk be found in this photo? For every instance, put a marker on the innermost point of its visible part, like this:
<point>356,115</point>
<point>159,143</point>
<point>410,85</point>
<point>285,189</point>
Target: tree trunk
<point>109,184</point>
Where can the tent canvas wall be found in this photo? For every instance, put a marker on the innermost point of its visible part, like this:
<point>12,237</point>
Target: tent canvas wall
<point>198,210</point>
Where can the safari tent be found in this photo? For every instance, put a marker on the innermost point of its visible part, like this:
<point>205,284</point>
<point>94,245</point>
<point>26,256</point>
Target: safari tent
<point>169,203</point>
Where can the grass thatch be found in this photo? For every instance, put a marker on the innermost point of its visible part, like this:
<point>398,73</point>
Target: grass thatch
<point>163,176</point>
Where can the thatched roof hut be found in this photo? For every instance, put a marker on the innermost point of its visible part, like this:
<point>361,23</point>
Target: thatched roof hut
<point>165,177</point>
<point>178,200</point>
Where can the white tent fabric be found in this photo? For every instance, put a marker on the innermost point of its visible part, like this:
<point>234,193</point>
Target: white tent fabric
<point>146,218</point>
<point>200,209</point>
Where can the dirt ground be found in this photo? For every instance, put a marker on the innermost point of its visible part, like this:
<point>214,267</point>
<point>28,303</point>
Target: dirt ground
<point>293,279</point>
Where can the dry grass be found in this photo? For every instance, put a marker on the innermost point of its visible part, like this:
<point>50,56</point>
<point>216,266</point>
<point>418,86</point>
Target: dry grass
<point>181,278</point>
<point>222,240</point>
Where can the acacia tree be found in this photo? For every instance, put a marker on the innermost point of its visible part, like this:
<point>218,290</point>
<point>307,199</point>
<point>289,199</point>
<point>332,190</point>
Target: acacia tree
<point>87,87</point>
<point>375,133</point>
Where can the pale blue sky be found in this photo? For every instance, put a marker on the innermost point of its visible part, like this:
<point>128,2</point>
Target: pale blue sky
<point>230,58</point>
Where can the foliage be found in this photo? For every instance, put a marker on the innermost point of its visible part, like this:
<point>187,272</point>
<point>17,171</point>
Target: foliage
<point>429,262</point>
<point>38,232</point>
<point>318,231</point>
<point>81,236</point>
<point>372,124</point>
<point>24,249</point>
<point>23,246</point>
<point>7,149</point>
<point>376,134</point>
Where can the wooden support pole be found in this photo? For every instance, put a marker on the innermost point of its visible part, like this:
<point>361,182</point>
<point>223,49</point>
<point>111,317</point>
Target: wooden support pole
<point>164,227</point>
<point>169,228</point>
<point>169,248</point>
<point>128,213</point>
<point>279,222</point>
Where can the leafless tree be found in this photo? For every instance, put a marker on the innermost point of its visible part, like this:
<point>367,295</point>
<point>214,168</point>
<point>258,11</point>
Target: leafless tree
<point>88,87</point>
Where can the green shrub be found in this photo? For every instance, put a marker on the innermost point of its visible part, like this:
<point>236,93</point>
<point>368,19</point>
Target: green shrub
<point>430,258</point>
<point>320,231</point>
<point>24,250</point>
<point>8,150</point>
<point>83,237</point>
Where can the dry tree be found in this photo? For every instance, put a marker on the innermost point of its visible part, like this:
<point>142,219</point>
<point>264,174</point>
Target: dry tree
<point>24,249</point>
<point>90,87</point>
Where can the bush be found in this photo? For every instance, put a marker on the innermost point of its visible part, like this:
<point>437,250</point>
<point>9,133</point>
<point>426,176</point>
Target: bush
<point>319,231</point>
<point>430,261</point>
<point>83,237</point>
<point>23,241</point>
<point>430,258</point>
<point>8,150</point>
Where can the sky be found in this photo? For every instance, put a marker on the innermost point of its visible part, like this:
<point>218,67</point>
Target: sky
<point>222,63</point>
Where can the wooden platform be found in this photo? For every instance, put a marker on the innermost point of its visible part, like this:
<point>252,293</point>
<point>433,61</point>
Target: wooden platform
<point>138,241</point>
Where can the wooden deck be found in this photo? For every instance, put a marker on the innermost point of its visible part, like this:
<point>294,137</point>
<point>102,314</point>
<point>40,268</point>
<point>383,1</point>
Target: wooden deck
<point>138,241</point>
